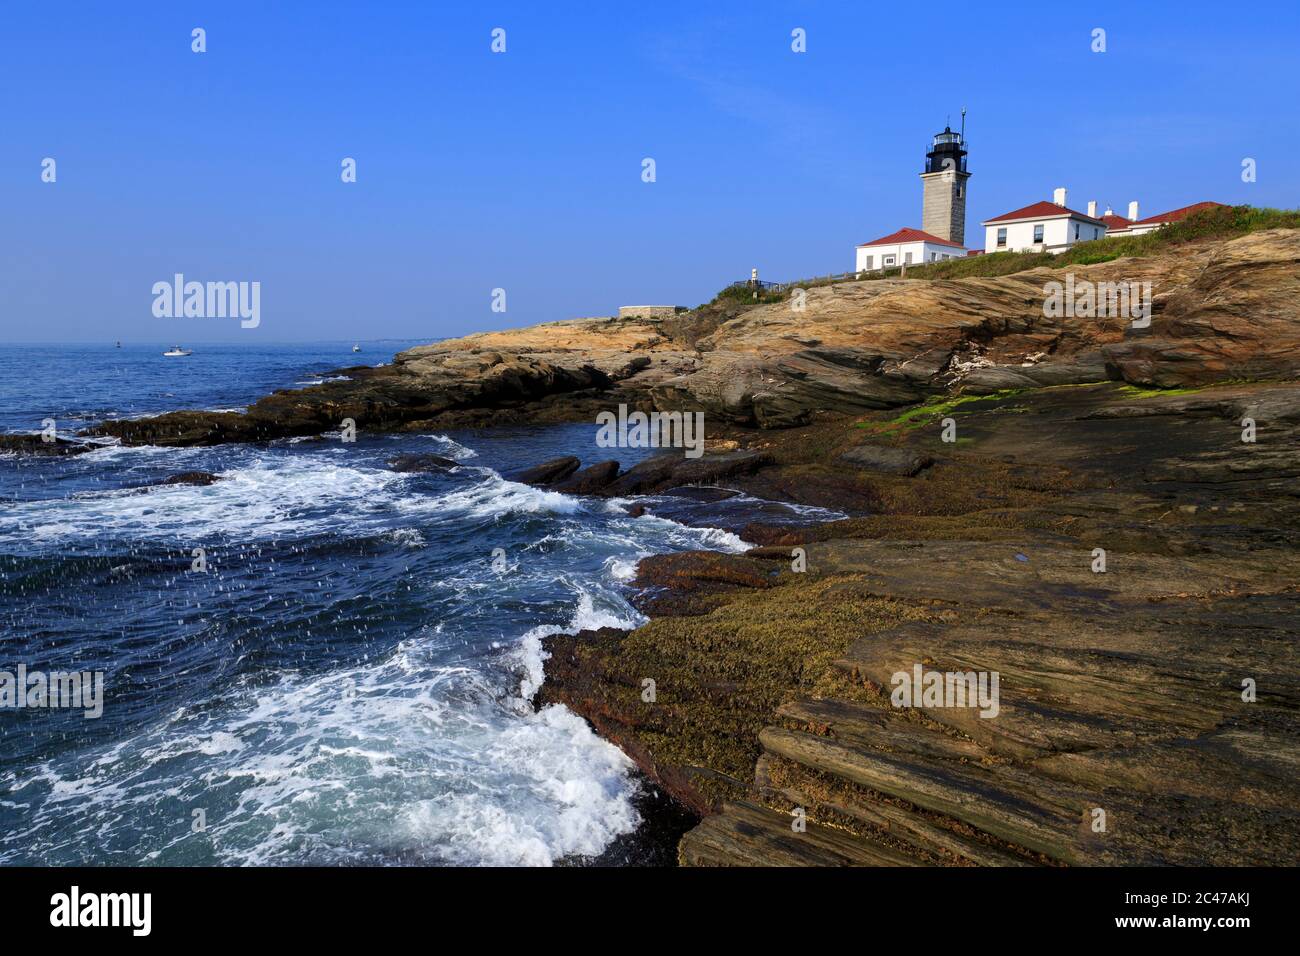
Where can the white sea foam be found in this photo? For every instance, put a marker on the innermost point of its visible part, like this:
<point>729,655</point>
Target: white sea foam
<point>586,616</point>
<point>452,448</point>
<point>114,450</point>
<point>580,800</point>
<point>400,760</point>
<point>622,569</point>
<point>268,499</point>
<point>687,537</point>
<point>493,497</point>
<point>406,537</point>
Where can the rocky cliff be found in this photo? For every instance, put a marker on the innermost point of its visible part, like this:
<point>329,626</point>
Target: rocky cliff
<point>1221,310</point>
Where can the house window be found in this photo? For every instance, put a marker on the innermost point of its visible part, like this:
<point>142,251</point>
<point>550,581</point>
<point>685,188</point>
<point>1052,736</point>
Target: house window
<point>887,261</point>
<point>1002,236</point>
<point>1038,234</point>
<point>907,258</point>
<point>867,265</point>
<point>1076,232</point>
<point>1095,232</point>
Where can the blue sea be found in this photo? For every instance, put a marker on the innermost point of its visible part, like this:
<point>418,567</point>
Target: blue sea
<point>349,680</point>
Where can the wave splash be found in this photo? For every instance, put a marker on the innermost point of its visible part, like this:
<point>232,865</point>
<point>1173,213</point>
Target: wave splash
<point>366,671</point>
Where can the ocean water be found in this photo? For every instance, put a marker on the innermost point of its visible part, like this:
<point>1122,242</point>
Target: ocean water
<point>349,680</point>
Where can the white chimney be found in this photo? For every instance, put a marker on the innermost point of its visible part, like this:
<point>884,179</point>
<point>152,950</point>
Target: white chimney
<point>1058,196</point>
<point>1133,211</point>
<point>1092,209</point>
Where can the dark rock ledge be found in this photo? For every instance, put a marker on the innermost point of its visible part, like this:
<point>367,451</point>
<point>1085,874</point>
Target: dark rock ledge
<point>648,477</point>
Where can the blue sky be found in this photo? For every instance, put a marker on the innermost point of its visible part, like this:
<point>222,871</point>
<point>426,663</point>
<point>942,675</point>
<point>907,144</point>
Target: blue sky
<point>522,170</point>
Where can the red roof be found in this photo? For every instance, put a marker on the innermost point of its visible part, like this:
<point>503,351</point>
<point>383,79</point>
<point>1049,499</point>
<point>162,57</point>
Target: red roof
<point>1115,223</point>
<point>1176,214</point>
<point>910,235</point>
<point>1040,210</point>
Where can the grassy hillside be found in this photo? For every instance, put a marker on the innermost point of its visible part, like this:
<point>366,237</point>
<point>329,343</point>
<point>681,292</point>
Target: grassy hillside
<point>1223,222</point>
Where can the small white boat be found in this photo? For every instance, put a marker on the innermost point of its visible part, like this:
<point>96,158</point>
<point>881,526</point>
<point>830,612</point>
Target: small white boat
<point>176,350</point>
<point>356,348</point>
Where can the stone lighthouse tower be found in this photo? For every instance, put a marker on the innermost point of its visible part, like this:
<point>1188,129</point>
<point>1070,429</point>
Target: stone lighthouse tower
<point>943,211</point>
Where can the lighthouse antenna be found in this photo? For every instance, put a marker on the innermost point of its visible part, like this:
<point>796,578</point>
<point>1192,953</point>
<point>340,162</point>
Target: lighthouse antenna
<point>963,126</point>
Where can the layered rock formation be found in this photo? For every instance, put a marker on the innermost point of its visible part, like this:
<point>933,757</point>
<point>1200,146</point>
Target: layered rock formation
<point>1149,705</point>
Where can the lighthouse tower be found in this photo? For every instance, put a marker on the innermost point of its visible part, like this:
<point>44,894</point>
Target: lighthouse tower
<point>943,210</point>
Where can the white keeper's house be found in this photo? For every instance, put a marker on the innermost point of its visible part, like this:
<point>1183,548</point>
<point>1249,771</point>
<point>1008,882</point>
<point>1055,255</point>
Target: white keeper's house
<point>906,247</point>
<point>1054,226</point>
<point>1043,227</point>
<point>1133,226</point>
